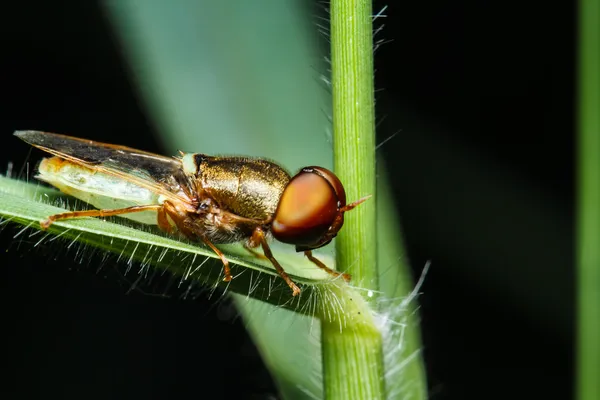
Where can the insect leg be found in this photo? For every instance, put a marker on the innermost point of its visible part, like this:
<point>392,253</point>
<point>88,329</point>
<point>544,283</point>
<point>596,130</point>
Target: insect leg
<point>179,217</point>
<point>254,252</point>
<point>253,243</point>
<point>259,236</point>
<point>324,267</point>
<point>162,220</point>
<point>45,224</point>
<point>224,260</point>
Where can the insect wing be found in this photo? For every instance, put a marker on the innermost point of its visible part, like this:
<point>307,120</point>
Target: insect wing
<point>154,172</point>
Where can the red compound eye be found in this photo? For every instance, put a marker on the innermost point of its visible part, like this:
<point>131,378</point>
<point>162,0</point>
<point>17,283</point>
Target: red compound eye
<point>309,212</point>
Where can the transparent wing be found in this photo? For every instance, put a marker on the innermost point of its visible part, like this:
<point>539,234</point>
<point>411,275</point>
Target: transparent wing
<point>158,173</point>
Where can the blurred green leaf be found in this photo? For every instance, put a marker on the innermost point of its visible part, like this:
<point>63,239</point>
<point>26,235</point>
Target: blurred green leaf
<point>237,78</point>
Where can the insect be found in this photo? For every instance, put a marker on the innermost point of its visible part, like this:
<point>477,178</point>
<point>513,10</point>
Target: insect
<point>215,200</point>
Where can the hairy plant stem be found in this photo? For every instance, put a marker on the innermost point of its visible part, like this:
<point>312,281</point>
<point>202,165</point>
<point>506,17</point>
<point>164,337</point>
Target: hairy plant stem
<point>352,355</point>
<point>357,370</point>
<point>354,134</point>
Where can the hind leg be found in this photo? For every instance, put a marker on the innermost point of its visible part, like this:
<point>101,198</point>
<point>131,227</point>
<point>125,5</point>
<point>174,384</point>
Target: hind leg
<point>45,224</point>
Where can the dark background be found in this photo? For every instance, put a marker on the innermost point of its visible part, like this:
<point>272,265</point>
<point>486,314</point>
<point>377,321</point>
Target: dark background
<point>483,181</point>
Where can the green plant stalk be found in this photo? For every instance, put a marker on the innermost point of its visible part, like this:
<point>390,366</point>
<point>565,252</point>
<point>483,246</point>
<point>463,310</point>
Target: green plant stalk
<point>352,355</point>
<point>354,134</point>
<point>358,369</point>
<point>588,385</point>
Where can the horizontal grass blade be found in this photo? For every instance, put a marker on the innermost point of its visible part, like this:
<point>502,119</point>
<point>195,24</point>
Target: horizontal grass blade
<point>26,204</point>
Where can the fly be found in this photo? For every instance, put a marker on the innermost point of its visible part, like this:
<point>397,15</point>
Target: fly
<point>215,200</point>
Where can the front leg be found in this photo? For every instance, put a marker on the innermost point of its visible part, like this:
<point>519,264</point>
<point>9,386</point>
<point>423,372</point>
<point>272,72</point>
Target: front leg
<point>259,237</point>
<point>324,267</point>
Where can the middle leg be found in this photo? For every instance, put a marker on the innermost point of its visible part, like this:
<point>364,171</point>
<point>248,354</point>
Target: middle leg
<point>179,217</point>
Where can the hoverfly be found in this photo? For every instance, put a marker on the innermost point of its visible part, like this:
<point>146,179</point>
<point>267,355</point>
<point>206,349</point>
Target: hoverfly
<point>212,199</point>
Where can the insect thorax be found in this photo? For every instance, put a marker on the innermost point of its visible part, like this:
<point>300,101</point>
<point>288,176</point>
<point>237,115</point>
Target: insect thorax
<point>247,187</point>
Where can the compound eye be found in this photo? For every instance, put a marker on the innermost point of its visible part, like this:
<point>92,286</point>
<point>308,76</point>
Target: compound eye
<point>333,180</point>
<point>307,209</point>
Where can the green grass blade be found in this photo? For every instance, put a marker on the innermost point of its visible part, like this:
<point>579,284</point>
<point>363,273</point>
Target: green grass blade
<point>27,204</point>
<point>588,245</point>
<point>404,365</point>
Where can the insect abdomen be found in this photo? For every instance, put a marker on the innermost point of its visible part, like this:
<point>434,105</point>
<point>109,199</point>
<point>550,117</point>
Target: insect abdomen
<point>101,190</point>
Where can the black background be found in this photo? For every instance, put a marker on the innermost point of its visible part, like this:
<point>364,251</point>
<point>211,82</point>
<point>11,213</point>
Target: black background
<point>495,79</point>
